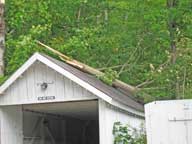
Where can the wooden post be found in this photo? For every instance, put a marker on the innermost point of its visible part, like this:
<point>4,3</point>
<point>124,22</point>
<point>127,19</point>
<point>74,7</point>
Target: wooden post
<point>2,36</point>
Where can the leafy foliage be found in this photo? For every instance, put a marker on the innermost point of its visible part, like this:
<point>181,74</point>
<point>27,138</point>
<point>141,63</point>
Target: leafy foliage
<point>126,135</point>
<point>103,33</point>
<point>109,76</point>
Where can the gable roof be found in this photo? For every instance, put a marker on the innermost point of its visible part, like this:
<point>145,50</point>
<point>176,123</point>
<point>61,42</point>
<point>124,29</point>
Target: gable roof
<point>89,82</point>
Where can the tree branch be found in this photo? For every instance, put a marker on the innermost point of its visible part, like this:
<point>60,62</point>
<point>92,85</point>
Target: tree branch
<point>116,83</point>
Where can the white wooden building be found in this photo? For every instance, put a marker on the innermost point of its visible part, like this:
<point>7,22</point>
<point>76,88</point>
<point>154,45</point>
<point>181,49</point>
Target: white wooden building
<point>49,102</point>
<point>169,122</point>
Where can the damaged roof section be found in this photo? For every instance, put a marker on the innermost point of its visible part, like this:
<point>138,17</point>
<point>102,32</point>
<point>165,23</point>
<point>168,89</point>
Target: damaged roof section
<point>89,82</point>
<point>92,80</point>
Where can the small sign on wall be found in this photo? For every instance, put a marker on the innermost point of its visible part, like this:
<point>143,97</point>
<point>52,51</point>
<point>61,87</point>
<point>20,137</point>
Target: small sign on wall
<point>43,98</point>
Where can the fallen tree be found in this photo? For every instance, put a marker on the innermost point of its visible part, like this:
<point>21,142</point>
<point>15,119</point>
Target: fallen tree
<point>85,68</point>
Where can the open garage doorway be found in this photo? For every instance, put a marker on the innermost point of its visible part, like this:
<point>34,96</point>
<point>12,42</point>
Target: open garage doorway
<point>61,123</point>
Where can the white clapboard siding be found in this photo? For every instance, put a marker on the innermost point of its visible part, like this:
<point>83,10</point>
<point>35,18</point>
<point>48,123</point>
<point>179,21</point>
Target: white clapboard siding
<point>30,79</point>
<point>60,86</point>
<point>108,115</point>
<point>26,89</point>
<point>22,90</point>
<point>11,125</point>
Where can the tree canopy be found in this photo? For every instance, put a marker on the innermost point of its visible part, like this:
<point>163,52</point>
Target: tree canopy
<point>146,43</point>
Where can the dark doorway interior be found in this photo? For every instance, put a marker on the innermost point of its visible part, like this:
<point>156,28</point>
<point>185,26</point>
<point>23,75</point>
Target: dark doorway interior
<point>61,123</point>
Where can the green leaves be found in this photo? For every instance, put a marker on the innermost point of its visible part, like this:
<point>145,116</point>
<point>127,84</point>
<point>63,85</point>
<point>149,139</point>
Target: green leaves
<point>24,46</point>
<point>123,134</point>
<point>109,76</point>
<point>107,34</point>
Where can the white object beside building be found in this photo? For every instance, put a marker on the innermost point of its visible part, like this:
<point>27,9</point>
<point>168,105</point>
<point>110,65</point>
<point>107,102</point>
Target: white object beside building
<point>169,122</point>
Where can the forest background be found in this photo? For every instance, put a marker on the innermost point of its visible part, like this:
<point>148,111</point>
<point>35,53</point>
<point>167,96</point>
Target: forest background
<point>145,43</point>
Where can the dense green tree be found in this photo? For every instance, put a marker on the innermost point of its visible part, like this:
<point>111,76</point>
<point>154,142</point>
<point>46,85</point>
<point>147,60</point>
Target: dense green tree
<point>148,43</point>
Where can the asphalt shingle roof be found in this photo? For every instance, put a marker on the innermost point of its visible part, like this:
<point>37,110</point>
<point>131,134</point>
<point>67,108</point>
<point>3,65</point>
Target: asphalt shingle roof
<point>114,93</point>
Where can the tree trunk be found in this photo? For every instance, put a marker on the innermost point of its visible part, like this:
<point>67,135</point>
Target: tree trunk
<point>116,83</point>
<point>172,27</point>
<point>2,37</point>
